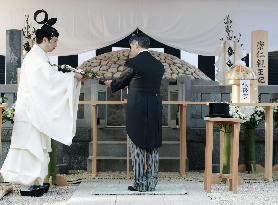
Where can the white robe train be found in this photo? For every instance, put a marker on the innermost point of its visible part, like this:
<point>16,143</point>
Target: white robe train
<point>46,107</point>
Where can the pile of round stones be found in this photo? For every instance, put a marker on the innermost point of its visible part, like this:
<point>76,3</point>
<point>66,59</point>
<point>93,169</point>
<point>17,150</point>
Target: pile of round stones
<point>112,64</point>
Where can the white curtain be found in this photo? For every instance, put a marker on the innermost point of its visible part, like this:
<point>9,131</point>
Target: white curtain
<point>191,25</point>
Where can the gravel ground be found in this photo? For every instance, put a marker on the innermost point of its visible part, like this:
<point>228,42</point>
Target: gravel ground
<point>254,190</point>
<point>56,195</point>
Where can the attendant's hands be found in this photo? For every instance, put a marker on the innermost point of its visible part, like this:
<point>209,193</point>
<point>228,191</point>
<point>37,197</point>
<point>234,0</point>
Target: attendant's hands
<point>78,76</point>
<point>108,83</point>
<point>85,78</point>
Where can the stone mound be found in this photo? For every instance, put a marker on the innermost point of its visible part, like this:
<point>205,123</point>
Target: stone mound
<point>112,64</point>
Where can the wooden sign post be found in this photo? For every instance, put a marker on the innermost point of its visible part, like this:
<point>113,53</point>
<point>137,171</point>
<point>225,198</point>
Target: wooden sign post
<point>259,55</point>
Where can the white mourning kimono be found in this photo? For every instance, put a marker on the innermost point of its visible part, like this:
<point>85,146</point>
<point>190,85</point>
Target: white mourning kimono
<point>46,108</point>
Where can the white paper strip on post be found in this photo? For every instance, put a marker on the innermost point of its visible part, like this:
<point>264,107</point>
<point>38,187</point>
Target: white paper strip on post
<point>245,91</point>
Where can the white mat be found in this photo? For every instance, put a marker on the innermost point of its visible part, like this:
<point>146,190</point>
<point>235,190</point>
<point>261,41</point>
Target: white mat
<point>116,193</point>
<point>121,189</point>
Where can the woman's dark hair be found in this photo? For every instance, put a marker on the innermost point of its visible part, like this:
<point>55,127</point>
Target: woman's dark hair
<point>142,39</point>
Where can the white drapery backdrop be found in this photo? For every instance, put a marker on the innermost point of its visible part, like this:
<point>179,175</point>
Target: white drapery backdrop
<point>190,25</point>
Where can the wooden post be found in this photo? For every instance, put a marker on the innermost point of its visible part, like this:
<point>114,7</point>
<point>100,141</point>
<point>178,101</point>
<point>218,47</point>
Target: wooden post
<point>182,139</point>
<point>268,142</point>
<point>94,140</point>
<point>259,55</point>
<point>234,157</point>
<point>208,156</point>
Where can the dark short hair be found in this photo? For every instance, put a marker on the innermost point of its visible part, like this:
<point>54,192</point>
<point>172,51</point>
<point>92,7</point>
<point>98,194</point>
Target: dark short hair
<point>142,39</point>
<point>46,31</point>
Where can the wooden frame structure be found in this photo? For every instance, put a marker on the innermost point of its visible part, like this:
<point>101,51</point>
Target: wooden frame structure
<point>183,152</point>
<point>233,177</point>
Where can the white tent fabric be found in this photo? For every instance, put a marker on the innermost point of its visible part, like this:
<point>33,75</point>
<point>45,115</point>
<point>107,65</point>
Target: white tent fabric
<point>191,25</point>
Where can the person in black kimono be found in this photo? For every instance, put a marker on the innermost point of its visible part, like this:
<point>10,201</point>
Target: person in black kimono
<point>143,75</point>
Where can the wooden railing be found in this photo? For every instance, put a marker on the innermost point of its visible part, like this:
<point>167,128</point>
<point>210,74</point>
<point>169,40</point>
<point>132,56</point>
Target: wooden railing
<point>183,152</point>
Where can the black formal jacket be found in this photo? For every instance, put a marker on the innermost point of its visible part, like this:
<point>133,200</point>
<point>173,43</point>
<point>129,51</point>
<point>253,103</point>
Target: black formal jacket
<point>143,76</point>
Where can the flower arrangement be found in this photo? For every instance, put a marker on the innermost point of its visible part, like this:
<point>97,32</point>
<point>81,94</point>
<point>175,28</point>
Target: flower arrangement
<point>251,116</point>
<point>275,113</point>
<point>3,100</point>
<point>8,115</point>
<point>7,112</point>
<point>86,73</point>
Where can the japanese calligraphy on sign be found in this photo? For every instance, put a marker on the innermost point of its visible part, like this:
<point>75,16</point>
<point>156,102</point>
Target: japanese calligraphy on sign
<point>245,91</point>
<point>260,56</point>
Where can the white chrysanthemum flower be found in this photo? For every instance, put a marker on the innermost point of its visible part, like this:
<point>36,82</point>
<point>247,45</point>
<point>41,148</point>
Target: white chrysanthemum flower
<point>251,116</point>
